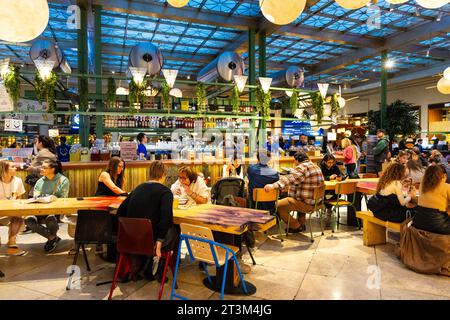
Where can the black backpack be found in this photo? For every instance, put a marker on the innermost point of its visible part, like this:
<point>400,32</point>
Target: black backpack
<point>226,187</point>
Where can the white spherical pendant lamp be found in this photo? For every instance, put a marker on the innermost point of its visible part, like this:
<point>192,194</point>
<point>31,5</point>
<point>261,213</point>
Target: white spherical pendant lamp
<point>432,4</point>
<point>282,12</point>
<point>447,73</point>
<point>178,3</point>
<point>443,86</point>
<point>23,20</point>
<point>352,4</point>
<point>397,1</point>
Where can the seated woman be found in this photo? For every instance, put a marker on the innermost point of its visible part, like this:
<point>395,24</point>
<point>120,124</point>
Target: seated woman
<point>389,203</point>
<point>416,170</point>
<point>191,186</point>
<point>233,169</point>
<point>433,212</point>
<point>112,180</point>
<point>402,157</point>
<point>11,188</point>
<point>52,183</point>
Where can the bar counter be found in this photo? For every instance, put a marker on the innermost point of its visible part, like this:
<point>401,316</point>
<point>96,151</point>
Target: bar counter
<point>83,175</point>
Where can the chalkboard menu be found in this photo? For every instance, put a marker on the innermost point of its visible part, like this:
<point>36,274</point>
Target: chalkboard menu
<point>372,141</point>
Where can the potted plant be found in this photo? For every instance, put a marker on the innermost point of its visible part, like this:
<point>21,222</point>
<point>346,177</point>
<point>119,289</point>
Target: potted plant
<point>136,95</point>
<point>165,96</point>
<point>201,98</point>
<point>318,105</point>
<point>263,102</point>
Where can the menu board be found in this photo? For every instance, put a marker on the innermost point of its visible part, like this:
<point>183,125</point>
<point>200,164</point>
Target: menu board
<point>128,150</point>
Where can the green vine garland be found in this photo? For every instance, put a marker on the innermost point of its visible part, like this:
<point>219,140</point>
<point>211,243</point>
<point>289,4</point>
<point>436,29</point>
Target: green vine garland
<point>263,102</point>
<point>12,84</point>
<point>136,95</point>
<point>293,102</point>
<point>235,100</point>
<point>45,90</point>
<point>165,95</point>
<point>334,103</point>
<point>317,105</point>
<point>111,97</point>
<point>201,98</point>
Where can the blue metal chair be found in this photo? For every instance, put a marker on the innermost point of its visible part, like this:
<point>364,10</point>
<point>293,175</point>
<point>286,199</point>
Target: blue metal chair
<point>202,247</point>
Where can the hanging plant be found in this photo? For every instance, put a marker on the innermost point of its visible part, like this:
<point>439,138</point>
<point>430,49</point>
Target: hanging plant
<point>45,90</point>
<point>165,95</point>
<point>12,84</point>
<point>235,100</point>
<point>111,97</point>
<point>263,102</point>
<point>293,102</point>
<point>334,103</point>
<point>317,105</point>
<point>136,95</point>
<point>201,98</point>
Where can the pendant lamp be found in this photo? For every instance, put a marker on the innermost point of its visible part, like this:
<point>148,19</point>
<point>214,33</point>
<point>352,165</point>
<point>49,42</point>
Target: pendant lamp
<point>282,12</point>
<point>352,4</point>
<point>178,3</point>
<point>432,4</point>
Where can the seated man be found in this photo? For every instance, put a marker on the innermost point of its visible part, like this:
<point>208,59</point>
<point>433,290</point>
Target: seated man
<point>259,175</point>
<point>153,200</point>
<point>300,183</point>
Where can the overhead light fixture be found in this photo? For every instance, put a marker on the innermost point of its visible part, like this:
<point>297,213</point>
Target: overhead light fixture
<point>389,64</point>
<point>178,3</point>
<point>151,92</point>
<point>289,93</point>
<point>391,7</point>
<point>175,92</point>
<point>170,75</point>
<point>23,20</point>
<point>443,86</point>
<point>323,88</point>
<point>265,83</point>
<point>428,53</point>
<point>4,68</point>
<point>282,12</point>
<point>447,73</point>
<point>138,75</point>
<point>353,4</point>
<point>240,82</point>
<point>45,68</point>
<point>121,91</point>
<point>417,11</point>
<point>432,4</point>
<point>397,1</point>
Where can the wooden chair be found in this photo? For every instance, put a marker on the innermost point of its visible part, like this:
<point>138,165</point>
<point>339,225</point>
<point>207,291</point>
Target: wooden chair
<point>260,195</point>
<point>343,188</point>
<point>202,247</point>
<point>319,198</point>
<point>135,237</point>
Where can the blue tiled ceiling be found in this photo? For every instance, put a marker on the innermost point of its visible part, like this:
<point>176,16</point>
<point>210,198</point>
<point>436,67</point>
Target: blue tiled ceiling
<point>202,41</point>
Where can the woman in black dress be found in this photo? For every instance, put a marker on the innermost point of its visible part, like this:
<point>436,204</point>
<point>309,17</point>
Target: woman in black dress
<point>112,181</point>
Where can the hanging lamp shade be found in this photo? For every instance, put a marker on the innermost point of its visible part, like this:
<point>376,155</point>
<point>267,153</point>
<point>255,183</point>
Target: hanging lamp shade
<point>23,20</point>
<point>397,1</point>
<point>447,73</point>
<point>443,86</point>
<point>282,11</point>
<point>432,4</point>
<point>178,3</point>
<point>175,92</point>
<point>352,4</point>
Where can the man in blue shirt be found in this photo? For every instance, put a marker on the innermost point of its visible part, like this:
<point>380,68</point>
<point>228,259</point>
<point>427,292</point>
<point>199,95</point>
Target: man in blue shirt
<point>142,139</point>
<point>63,150</point>
<point>261,174</point>
<point>303,142</point>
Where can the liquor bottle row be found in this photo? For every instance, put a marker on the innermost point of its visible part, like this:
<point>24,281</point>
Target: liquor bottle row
<point>173,122</point>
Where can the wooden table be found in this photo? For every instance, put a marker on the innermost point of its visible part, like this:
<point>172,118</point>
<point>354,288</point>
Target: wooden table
<point>227,223</point>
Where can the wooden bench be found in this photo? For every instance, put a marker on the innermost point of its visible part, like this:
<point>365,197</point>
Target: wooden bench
<point>374,229</point>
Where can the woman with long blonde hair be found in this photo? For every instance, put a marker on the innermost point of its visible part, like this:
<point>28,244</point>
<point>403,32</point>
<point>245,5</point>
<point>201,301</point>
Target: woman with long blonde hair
<point>350,153</point>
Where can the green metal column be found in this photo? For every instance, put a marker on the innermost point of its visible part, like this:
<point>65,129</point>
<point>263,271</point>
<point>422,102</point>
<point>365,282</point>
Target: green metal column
<point>384,78</point>
<point>262,73</point>
<point>83,84</point>
<point>252,81</point>
<point>98,68</point>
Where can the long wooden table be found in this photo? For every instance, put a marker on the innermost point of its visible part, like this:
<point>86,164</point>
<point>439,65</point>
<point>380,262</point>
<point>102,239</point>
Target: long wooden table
<point>364,185</point>
<point>224,219</point>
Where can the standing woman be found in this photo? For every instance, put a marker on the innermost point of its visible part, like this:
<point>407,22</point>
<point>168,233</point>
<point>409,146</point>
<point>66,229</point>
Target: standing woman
<point>11,188</point>
<point>349,156</point>
<point>112,180</point>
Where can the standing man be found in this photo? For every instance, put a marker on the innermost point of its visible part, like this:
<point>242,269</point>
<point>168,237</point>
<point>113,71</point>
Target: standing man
<point>300,183</point>
<point>419,145</point>
<point>381,150</point>
<point>142,149</point>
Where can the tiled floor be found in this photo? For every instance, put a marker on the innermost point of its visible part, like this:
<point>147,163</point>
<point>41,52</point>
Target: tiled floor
<point>335,266</point>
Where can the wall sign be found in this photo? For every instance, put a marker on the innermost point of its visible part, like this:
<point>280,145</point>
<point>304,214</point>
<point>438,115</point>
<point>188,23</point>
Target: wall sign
<point>13,125</point>
<point>128,150</point>
<point>6,103</point>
